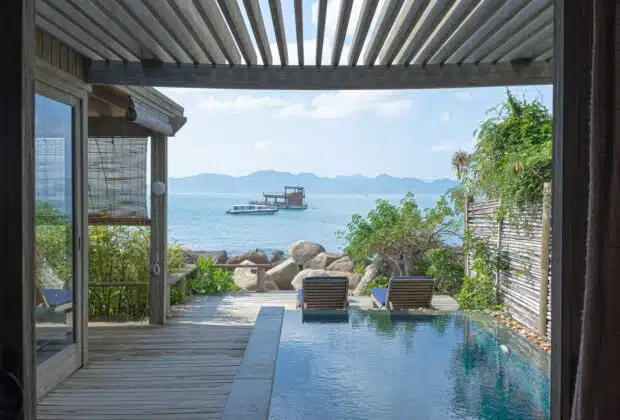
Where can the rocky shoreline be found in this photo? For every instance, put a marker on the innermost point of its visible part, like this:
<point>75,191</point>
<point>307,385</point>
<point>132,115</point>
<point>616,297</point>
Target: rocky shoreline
<point>303,259</point>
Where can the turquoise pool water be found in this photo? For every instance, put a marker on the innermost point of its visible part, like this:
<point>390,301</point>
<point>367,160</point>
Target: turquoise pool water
<point>379,366</point>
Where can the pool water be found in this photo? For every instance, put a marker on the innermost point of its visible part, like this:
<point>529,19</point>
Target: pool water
<point>374,365</point>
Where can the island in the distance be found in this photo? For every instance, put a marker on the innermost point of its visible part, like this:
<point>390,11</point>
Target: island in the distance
<point>262,181</point>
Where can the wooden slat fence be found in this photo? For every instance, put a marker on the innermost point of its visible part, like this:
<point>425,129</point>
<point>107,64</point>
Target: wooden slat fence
<point>520,240</point>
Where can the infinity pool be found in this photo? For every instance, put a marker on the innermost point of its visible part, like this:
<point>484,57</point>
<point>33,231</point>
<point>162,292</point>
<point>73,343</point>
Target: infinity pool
<point>372,365</point>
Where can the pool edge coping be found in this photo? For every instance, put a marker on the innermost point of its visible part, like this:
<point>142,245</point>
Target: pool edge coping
<point>251,390</point>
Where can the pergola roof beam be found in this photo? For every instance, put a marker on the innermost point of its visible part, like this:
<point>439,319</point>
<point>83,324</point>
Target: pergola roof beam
<point>52,15</point>
<point>490,26</point>
<point>404,24</point>
<point>429,17</point>
<point>83,21</point>
<point>543,35</point>
<point>385,20</point>
<point>341,30</point>
<point>521,36</point>
<point>363,25</point>
<point>95,14</point>
<point>313,78</point>
<point>232,13</point>
<point>320,31</point>
<point>467,27</point>
<point>156,29</point>
<point>299,30</point>
<point>50,28</point>
<point>212,16</point>
<point>175,26</point>
<point>503,34</point>
<point>547,55</point>
<point>117,12</point>
<point>441,32</point>
<point>278,27</point>
<point>255,16</point>
<point>196,24</point>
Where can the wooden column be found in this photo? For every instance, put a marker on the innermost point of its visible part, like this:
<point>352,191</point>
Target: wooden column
<point>572,59</point>
<point>158,289</point>
<point>17,349</point>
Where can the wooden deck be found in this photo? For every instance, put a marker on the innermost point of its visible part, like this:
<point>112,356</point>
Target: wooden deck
<point>183,370</point>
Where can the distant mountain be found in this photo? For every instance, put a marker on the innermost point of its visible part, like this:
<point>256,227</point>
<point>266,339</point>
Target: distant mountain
<point>274,181</point>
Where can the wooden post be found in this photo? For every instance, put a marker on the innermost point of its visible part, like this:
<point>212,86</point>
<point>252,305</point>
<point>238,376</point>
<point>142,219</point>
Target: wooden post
<point>260,279</point>
<point>17,345</point>
<point>572,38</point>
<point>158,288</point>
<point>465,227</point>
<point>544,259</point>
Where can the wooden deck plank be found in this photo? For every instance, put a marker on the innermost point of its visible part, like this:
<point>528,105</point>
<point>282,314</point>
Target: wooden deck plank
<point>181,370</point>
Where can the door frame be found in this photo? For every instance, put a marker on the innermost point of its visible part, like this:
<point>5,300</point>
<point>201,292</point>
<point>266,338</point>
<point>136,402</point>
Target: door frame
<point>59,86</point>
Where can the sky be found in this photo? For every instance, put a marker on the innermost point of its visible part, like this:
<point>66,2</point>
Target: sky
<point>404,133</point>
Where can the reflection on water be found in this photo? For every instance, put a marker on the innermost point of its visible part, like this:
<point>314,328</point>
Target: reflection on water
<point>389,366</point>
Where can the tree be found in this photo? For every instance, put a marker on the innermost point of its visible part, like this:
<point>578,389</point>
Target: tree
<point>512,157</point>
<point>400,233</point>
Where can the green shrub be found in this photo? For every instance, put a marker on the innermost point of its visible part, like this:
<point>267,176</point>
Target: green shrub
<point>117,254</point>
<point>379,281</point>
<point>446,269</point>
<point>211,279</point>
<point>478,291</point>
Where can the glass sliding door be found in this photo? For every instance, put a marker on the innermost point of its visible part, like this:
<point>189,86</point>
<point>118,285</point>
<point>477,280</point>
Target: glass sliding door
<point>57,237</point>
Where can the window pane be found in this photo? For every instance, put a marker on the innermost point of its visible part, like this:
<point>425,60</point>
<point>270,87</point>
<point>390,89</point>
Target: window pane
<point>53,227</point>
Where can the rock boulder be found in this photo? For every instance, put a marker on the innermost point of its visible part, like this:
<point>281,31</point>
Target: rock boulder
<point>191,257</point>
<point>304,251</point>
<point>322,260</point>
<point>354,278</point>
<point>276,256</point>
<point>283,274</point>
<point>257,257</point>
<point>246,278</point>
<point>343,264</point>
<point>299,278</point>
<point>297,282</point>
<point>379,267</point>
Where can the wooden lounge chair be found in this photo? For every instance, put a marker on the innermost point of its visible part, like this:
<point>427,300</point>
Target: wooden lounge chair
<point>54,300</point>
<point>324,293</point>
<point>410,292</point>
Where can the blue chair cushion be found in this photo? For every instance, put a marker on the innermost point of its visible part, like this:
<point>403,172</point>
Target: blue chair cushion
<point>380,294</point>
<point>56,297</point>
<point>300,296</point>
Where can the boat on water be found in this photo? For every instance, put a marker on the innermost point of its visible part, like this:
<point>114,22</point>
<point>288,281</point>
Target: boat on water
<point>253,209</point>
<point>294,198</point>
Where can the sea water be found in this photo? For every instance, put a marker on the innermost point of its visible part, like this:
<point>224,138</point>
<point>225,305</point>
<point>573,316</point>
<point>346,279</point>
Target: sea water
<point>200,222</point>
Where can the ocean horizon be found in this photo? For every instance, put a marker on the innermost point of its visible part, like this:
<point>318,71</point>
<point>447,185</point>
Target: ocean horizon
<point>198,221</point>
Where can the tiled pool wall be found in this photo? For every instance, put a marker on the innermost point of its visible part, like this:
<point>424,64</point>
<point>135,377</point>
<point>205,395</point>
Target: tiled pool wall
<point>250,394</point>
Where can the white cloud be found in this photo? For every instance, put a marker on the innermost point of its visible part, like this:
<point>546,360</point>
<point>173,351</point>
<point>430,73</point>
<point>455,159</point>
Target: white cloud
<point>394,108</point>
<point>241,103</point>
<point>262,144</point>
<point>344,104</point>
<point>446,116</point>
